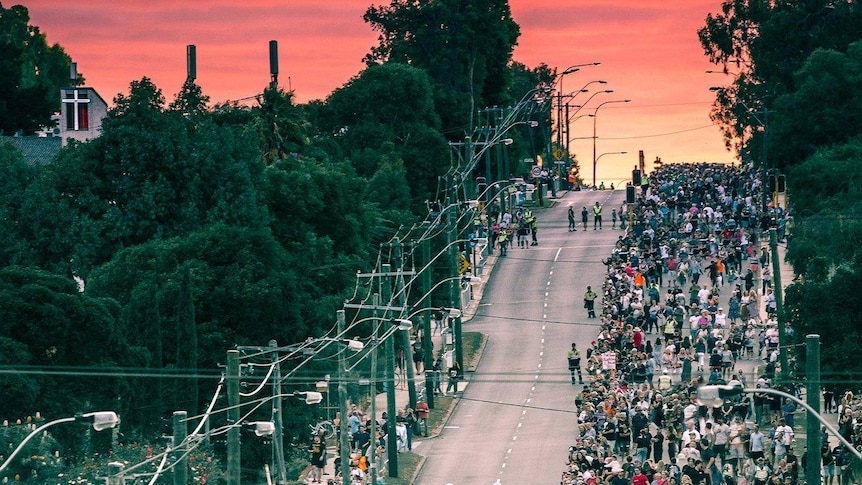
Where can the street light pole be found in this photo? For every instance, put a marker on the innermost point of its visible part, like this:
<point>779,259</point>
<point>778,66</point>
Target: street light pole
<point>342,398</point>
<point>812,395</point>
<point>278,438</point>
<point>568,117</point>
<point>595,116</point>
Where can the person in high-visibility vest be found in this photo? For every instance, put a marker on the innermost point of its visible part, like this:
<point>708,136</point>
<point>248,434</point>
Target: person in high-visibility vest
<point>597,216</point>
<point>590,302</point>
<point>664,381</point>
<point>574,357</point>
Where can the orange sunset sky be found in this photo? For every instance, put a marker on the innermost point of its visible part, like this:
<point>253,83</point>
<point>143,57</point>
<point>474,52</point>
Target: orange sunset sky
<point>648,49</point>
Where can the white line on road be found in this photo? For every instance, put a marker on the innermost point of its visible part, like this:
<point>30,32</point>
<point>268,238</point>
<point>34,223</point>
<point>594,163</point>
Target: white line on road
<point>557,256</point>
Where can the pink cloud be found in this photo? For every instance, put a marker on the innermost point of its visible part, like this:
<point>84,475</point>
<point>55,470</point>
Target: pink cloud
<point>648,49</point>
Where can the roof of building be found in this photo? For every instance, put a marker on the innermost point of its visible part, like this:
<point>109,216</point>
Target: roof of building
<point>37,150</point>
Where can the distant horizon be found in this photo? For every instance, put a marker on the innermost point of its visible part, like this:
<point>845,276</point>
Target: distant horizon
<point>648,50</point>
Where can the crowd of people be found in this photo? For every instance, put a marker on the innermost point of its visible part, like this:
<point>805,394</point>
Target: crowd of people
<point>680,306</point>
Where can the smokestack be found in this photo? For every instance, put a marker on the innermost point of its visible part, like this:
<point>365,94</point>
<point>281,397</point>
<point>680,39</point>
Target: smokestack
<point>273,63</point>
<point>191,62</point>
<point>73,73</point>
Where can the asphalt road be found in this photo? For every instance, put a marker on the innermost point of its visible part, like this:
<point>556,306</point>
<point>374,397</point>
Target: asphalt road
<point>516,418</point>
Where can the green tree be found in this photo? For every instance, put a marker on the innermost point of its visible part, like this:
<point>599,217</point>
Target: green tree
<point>151,174</point>
<point>387,112</point>
<point>838,328</point>
<point>190,101</point>
<point>237,275</point>
<point>16,175</point>
<point>763,43</point>
<point>465,47</point>
<point>187,344</point>
<point>31,73</point>
<point>319,215</point>
<point>280,125</point>
<point>389,191</point>
<point>824,110</point>
<point>827,200</point>
<point>50,329</point>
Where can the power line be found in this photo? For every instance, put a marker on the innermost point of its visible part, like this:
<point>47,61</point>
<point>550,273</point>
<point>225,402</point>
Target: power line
<point>658,134</point>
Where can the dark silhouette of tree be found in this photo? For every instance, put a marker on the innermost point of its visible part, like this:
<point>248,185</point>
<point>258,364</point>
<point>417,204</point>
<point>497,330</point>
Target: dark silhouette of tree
<point>31,73</point>
<point>464,46</point>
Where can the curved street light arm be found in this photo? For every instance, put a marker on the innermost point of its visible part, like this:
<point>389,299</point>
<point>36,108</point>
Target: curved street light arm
<point>710,394</point>
<point>606,91</point>
<point>101,420</point>
<point>30,436</point>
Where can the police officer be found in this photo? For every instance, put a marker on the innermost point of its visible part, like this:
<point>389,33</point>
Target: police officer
<point>575,363</point>
<point>597,216</point>
<point>590,302</point>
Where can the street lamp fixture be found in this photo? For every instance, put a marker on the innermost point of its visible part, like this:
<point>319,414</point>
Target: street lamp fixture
<point>100,420</point>
<point>609,153</point>
<point>263,428</point>
<point>403,323</point>
<point>575,67</point>
<point>311,397</point>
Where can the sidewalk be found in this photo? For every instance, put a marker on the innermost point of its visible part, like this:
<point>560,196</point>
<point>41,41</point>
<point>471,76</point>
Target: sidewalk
<point>402,397</point>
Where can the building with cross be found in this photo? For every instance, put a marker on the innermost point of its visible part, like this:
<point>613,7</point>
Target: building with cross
<point>81,113</point>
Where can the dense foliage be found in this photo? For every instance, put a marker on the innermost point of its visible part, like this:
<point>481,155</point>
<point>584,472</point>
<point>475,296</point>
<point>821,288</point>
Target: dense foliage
<point>797,75</point>
<point>465,47</point>
<point>31,73</point>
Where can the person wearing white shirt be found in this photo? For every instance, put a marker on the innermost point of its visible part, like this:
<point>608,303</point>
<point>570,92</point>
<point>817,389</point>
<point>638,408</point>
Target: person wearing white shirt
<point>690,435</point>
<point>721,318</point>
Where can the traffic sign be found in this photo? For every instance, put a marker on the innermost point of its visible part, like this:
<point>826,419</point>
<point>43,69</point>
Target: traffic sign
<point>559,154</point>
<point>463,264</point>
<point>536,171</point>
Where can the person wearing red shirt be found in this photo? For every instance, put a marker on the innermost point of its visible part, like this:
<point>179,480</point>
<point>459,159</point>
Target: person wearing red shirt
<point>639,478</point>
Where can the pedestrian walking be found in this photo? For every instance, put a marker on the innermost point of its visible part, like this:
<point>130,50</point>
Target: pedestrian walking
<point>572,223</point>
<point>454,375</point>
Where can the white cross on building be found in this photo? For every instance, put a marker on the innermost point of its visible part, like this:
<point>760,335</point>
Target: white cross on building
<point>77,101</point>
